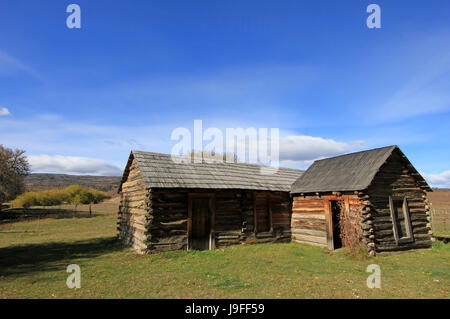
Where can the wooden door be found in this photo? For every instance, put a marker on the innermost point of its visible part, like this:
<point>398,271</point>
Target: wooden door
<point>262,212</point>
<point>201,223</point>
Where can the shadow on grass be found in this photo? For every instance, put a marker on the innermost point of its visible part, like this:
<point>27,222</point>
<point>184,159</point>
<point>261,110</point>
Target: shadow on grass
<point>23,259</point>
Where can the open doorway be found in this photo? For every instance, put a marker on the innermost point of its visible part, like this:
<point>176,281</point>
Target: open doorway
<point>337,207</point>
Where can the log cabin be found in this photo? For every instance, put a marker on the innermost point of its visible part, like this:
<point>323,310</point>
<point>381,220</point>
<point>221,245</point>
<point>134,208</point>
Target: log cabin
<point>171,205</point>
<point>373,198</point>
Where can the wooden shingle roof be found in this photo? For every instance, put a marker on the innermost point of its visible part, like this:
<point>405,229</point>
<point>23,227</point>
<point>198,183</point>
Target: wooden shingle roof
<point>160,171</point>
<point>350,172</point>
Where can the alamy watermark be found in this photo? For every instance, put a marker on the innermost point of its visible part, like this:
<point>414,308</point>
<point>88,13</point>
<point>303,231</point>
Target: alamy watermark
<point>74,279</point>
<point>73,21</point>
<point>374,19</point>
<point>251,145</point>
<point>374,280</point>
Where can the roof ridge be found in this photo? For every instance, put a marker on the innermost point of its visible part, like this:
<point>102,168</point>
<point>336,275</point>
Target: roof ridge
<point>221,162</point>
<point>353,153</point>
<point>347,172</point>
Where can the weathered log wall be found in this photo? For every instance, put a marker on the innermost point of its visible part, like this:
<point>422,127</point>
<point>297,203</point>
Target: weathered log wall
<point>280,216</point>
<point>312,218</point>
<point>162,223</point>
<point>133,213</point>
<point>229,216</point>
<point>395,178</point>
<point>168,212</point>
<point>308,223</point>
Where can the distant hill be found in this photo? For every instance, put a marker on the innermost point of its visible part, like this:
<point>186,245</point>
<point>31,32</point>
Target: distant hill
<point>35,182</point>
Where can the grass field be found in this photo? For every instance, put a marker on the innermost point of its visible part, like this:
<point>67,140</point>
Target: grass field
<point>34,255</point>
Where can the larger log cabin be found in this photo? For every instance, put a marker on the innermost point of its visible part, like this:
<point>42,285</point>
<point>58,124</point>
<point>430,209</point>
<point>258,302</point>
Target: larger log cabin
<point>375,197</point>
<point>167,205</point>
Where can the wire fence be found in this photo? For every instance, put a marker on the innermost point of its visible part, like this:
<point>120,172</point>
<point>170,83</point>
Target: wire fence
<point>110,207</point>
<point>440,221</point>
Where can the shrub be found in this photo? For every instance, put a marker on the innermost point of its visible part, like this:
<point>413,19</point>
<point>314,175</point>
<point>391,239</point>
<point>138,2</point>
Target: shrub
<point>25,200</point>
<point>74,194</point>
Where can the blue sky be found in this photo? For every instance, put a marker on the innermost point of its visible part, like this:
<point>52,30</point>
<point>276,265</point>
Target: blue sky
<point>78,100</point>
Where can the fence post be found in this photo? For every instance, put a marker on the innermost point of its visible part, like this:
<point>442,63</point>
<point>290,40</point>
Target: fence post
<point>432,217</point>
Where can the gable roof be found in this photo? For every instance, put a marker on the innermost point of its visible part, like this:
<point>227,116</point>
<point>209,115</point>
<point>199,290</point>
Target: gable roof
<point>350,172</point>
<point>160,171</point>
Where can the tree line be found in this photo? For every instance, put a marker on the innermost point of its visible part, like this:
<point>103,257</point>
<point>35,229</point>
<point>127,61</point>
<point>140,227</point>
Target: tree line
<point>14,167</point>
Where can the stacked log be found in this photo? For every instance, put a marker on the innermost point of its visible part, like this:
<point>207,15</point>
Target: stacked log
<point>395,178</point>
<point>228,218</point>
<point>308,224</point>
<point>169,214</point>
<point>133,213</point>
<point>281,212</point>
<point>234,219</point>
<point>429,217</point>
<point>367,225</point>
<point>159,220</point>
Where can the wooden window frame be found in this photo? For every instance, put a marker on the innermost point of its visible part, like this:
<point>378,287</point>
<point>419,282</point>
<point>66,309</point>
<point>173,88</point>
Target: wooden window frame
<point>212,203</point>
<point>255,218</point>
<point>406,217</point>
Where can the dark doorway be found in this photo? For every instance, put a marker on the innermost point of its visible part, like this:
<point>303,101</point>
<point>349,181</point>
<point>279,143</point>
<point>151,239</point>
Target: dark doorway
<point>336,210</point>
<point>201,223</point>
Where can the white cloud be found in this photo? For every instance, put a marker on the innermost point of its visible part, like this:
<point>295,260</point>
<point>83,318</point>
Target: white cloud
<point>56,135</point>
<point>301,148</point>
<point>82,142</point>
<point>299,151</point>
<point>4,111</point>
<point>72,165</point>
<point>297,164</point>
<point>438,180</point>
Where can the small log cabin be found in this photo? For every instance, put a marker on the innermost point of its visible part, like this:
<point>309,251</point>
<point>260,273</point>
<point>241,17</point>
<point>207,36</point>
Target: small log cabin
<point>167,205</point>
<point>375,198</point>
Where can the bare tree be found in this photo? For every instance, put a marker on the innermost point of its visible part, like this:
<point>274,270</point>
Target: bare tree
<point>14,167</point>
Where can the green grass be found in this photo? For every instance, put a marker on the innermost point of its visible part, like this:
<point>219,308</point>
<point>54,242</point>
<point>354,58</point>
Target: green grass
<point>34,256</point>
